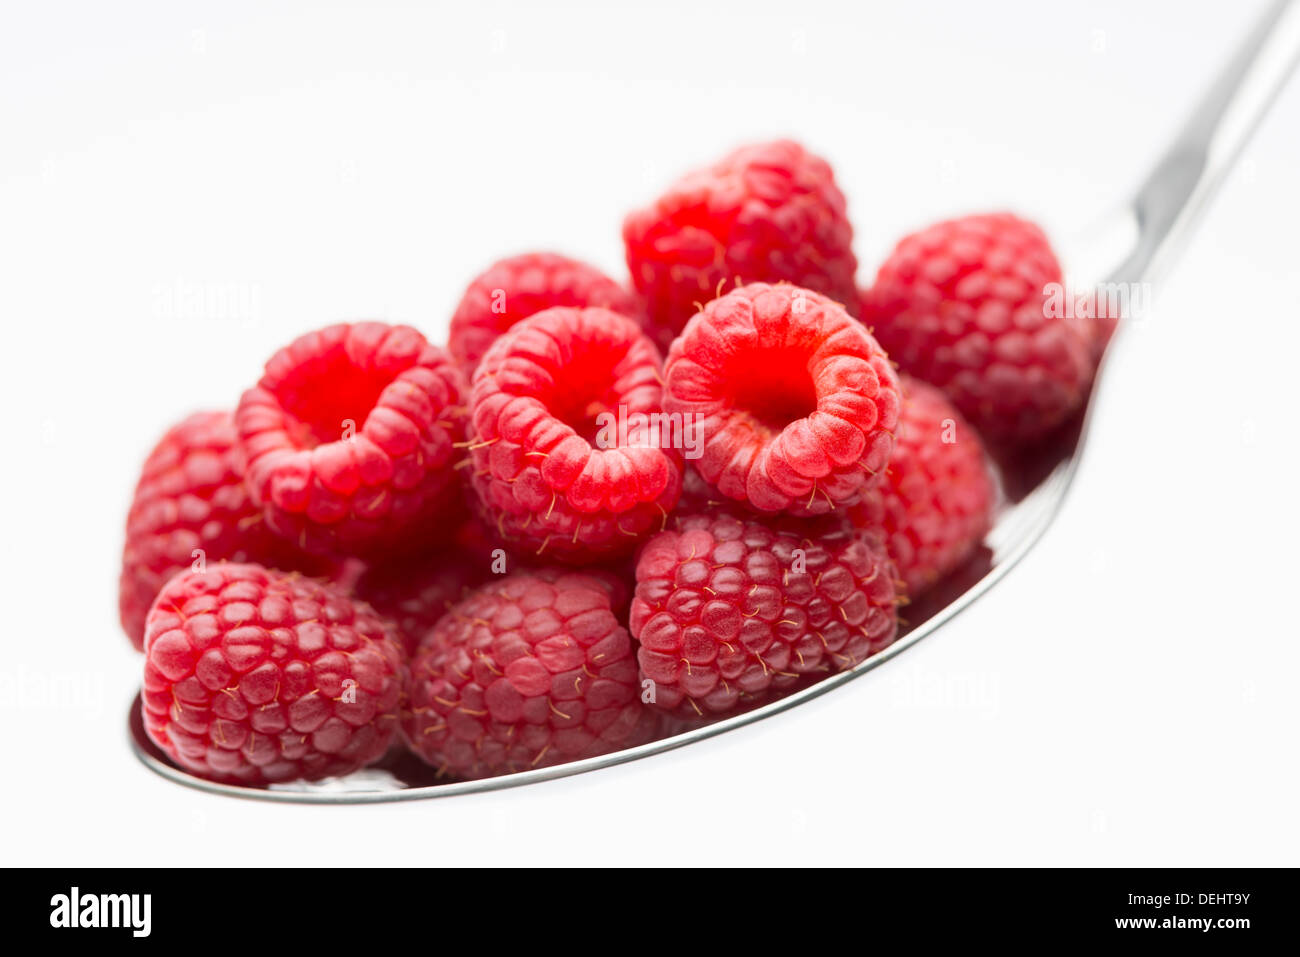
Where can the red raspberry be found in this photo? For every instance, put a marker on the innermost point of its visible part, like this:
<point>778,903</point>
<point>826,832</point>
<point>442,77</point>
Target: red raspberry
<point>729,608</point>
<point>257,676</point>
<point>770,212</point>
<point>190,508</point>
<point>797,403</point>
<point>553,472</point>
<point>935,503</point>
<point>526,672</point>
<point>963,305</point>
<point>516,288</point>
<point>350,438</point>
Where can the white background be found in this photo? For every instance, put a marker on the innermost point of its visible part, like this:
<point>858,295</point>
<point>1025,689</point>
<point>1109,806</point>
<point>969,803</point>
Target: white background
<point>1127,696</point>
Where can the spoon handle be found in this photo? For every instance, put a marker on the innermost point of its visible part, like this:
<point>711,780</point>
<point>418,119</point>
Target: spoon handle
<point>1187,176</point>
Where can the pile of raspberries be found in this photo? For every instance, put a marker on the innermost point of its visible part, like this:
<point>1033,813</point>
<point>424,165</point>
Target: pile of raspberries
<point>604,510</point>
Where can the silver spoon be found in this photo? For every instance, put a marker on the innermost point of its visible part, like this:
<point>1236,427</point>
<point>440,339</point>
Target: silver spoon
<point>1131,246</point>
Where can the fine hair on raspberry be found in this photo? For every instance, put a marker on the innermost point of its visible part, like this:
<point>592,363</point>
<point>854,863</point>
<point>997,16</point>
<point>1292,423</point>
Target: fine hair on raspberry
<point>549,476</point>
<point>797,401</point>
<point>350,439</point>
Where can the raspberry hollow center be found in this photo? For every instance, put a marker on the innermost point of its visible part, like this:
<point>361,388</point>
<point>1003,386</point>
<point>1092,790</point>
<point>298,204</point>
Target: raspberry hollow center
<point>773,386</point>
<point>592,391</point>
<point>604,371</point>
<point>323,396</point>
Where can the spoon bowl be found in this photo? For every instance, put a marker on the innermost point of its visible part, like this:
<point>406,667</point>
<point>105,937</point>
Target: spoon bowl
<point>1034,486</point>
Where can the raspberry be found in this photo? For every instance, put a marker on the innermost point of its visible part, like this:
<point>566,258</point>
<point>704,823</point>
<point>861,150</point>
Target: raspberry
<point>797,402</point>
<point>190,508</point>
<point>935,503</point>
<point>962,305</point>
<point>553,472</point>
<point>770,212</point>
<point>729,608</point>
<point>526,672</point>
<point>257,676</point>
<point>516,288</point>
<point>350,438</point>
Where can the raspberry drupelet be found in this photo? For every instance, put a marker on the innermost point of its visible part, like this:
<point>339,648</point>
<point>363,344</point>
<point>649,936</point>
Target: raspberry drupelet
<point>731,608</point>
<point>555,473</point>
<point>255,676</point>
<point>191,507</point>
<point>520,286</point>
<point>796,402</point>
<point>527,671</point>
<point>769,212</point>
<point>350,439</point>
